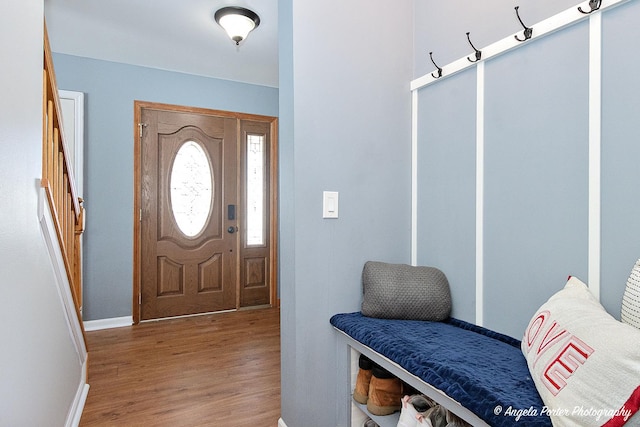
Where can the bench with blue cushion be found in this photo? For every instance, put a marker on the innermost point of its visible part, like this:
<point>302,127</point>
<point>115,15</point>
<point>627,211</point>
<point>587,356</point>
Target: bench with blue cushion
<point>483,370</point>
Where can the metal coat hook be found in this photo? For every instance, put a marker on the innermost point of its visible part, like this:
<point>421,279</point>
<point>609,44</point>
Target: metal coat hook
<point>439,69</point>
<point>478,52</point>
<point>593,4</point>
<point>528,32</point>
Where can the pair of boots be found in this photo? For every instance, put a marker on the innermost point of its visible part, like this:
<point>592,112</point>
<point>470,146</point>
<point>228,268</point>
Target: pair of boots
<point>377,388</point>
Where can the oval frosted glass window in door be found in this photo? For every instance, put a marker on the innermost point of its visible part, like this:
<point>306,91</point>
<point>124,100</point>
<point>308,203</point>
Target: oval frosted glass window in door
<point>191,183</point>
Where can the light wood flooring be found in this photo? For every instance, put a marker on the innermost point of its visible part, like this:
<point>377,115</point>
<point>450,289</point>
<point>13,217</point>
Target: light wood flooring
<point>213,370</point>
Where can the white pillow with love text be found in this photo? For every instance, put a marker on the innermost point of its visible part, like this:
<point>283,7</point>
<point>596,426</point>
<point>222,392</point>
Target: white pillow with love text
<point>585,363</point>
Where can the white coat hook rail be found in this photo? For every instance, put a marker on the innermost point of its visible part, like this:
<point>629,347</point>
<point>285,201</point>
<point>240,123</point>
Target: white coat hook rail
<point>561,20</point>
<point>593,5</point>
<point>528,31</point>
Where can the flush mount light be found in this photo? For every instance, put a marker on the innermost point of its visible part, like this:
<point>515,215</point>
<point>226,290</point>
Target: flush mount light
<point>237,22</point>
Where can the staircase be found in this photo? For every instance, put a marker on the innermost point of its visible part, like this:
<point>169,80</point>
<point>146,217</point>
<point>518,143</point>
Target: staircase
<point>59,186</point>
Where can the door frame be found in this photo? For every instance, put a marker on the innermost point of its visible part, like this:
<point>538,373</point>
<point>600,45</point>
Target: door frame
<point>137,192</point>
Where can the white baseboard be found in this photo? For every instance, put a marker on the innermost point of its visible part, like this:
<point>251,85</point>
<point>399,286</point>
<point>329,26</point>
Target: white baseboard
<point>116,322</point>
<point>281,423</point>
<point>77,407</point>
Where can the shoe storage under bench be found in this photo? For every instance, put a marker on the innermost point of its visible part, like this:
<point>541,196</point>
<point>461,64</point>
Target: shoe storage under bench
<point>358,412</point>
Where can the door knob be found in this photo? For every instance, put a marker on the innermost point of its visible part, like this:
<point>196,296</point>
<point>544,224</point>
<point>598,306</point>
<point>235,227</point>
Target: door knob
<point>232,229</point>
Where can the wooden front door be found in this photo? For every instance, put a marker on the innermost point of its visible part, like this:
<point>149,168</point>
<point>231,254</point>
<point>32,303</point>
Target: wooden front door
<point>189,244</point>
<point>205,229</point>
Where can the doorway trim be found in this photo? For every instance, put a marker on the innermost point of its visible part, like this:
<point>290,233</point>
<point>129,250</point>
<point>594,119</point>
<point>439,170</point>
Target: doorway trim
<point>137,191</point>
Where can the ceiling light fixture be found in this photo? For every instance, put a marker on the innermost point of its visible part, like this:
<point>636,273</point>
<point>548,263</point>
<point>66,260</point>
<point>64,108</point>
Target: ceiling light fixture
<point>238,22</point>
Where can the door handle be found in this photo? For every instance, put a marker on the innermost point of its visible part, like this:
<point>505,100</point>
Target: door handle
<point>232,229</point>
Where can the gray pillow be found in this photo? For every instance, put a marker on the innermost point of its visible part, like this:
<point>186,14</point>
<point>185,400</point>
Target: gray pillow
<point>400,291</point>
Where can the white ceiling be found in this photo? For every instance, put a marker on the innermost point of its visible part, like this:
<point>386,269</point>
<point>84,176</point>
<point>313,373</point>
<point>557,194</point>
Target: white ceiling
<point>175,35</point>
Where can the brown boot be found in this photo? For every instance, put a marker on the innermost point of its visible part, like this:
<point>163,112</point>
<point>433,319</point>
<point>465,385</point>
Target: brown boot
<point>385,392</point>
<point>361,391</point>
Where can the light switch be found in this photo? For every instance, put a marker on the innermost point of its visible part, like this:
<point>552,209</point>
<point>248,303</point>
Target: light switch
<point>329,204</point>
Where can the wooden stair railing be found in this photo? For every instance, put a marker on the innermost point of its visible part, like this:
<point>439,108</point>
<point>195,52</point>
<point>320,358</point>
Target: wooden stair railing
<point>59,183</point>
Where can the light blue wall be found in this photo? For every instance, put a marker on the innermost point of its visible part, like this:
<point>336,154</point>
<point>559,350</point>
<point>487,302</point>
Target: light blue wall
<point>347,67</point>
<point>447,186</point>
<point>536,175</point>
<point>111,89</point>
<point>620,150</point>
<point>287,220</point>
<point>535,170</point>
